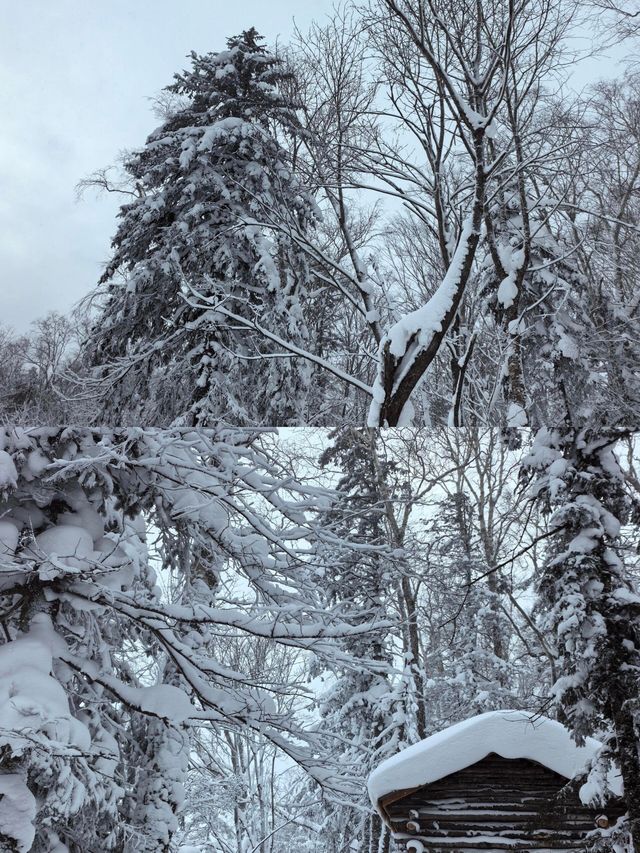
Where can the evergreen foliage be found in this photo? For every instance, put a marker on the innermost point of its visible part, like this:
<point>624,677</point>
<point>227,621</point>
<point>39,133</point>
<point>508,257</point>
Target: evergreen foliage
<point>214,184</point>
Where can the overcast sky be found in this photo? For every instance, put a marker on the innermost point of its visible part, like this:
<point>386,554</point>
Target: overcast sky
<point>75,78</point>
<point>75,81</point>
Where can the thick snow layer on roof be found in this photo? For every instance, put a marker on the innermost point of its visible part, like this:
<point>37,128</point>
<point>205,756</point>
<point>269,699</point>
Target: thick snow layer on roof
<point>511,734</point>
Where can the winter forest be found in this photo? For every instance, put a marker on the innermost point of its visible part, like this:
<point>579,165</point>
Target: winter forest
<point>332,479</point>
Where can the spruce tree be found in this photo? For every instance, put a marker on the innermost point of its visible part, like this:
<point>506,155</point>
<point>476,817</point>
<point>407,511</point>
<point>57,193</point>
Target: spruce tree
<point>215,186</point>
<point>363,706</point>
<point>588,600</point>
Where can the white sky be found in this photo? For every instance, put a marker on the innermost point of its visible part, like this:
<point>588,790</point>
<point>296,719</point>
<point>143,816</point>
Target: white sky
<point>75,79</point>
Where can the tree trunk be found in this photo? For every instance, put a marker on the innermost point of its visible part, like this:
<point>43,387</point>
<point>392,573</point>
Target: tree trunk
<point>629,761</point>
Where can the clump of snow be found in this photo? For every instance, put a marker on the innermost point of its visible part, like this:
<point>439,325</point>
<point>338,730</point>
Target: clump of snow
<point>491,130</point>
<point>165,701</point>
<point>34,714</point>
<point>118,571</point>
<point>61,548</point>
<point>427,320</point>
<point>17,811</point>
<point>8,473</point>
<point>516,416</point>
<point>508,290</point>
<point>220,131</point>
<point>36,465</point>
<point>568,347</point>
<point>33,705</point>
<point>65,540</point>
<point>510,734</point>
<point>409,336</point>
<point>512,262</point>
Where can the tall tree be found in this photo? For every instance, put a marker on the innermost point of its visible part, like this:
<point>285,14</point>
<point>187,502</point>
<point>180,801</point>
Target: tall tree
<point>203,241</point>
<point>481,649</point>
<point>361,705</point>
<point>589,600</point>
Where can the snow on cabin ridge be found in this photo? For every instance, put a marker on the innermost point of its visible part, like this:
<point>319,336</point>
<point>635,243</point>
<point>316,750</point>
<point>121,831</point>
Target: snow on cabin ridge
<point>508,733</point>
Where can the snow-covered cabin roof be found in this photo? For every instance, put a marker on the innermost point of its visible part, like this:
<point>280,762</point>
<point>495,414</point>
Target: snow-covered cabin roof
<point>511,734</point>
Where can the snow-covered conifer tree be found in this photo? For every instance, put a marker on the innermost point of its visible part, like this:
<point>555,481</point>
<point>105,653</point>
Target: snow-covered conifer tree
<point>215,185</point>
<point>363,706</point>
<point>588,599</point>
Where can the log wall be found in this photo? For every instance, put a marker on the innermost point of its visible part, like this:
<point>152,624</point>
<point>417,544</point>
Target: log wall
<point>496,804</point>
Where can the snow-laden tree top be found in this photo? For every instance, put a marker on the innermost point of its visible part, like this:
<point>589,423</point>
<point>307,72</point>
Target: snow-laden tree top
<point>511,734</point>
<point>215,186</point>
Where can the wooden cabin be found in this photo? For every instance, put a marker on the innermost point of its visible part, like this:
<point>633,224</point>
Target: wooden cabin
<point>499,781</point>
